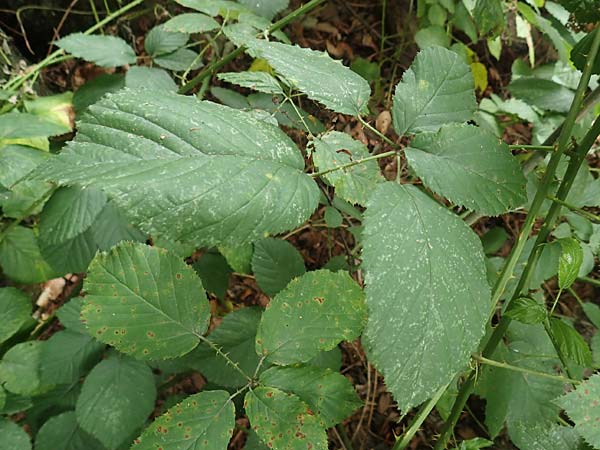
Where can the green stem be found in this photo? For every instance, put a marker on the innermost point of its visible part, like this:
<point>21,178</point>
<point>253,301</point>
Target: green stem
<point>589,280</point>
<point>52,57</point>
<point>415,425</point>
<point>502,365</point>
<point>507,272</point>
<point>354,163</point>
<point>545,148</point>
<point>582,212</point>
<point>215,66</point>
<point>378,133</point>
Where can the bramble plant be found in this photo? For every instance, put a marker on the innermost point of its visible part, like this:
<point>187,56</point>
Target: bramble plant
<point>152,175</point>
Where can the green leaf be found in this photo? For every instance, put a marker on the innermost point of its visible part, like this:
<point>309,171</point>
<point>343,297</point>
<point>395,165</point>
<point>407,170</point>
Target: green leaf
<point>116,399</point>
<point>238,257</point>
<point>569,262</point>
<point>435,90</point>
<point>585,11</point>
<point>259,81</point>
<point>266,8</point>
<point>329,394</point>
<point>526,310</point>
<point>432,36</point>
<point>235,336</point>
<point>145,302</point>
<point>105,51</point>
<point>214,272</point>
<point>581,50</point>
<point>315,74</point>
<point>517,397</point>
<point>489,17</point>
<point>26,125</point>
<point>544,94</point>
<point>139,77</point>
<point>68,355</point>
<point>529,436</point>
<point>66,235</point>
<point>13,436</point>
<point>62,432</point>
<point>69,315</point>
<point>18,161</point>
<point>582,407</point>
<point>152,153</point>
<point>470,167</point>
<point>15,310</point>
<point>20,369</point>
<point>571,343</point>
<point>592,311</point>
<point>493,240</point>
<point>283,421</point>
<point>275,263</point>
<point>332,217</point>
<point>334,149</point>
<point>201,421</point>
<point>191,23</point>
<point>95,89</point>
<point>474,444</point>
<point>327,306</point>
<point>20,257</point>
<point>427,292</point>
<point>180,59</point>
<point>215,7</point>
<point>160,41</point>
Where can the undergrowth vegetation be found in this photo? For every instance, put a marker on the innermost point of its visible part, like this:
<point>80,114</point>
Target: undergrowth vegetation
<point>182,172</point>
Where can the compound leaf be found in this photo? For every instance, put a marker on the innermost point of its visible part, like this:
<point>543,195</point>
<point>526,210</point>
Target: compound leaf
<point>315,312</point>
<point>62,432</point>
<point>543,437</point>
<point>235,336</point>
<point>329,394</point>
<point>259,81</point>
<point>265,8</point>
<point>426,288</point>
<point>283,421</point>
<point>470,167</point>
<point>583,408</point>
<point>160,41</point>
<point>15,310</point>
<point>435,90</point>
<point>116,399</point>
<point>26,125</point>
<point>105,51</point>
<point>275,263</point>
<point>571,343</point>
<point>317,75</point>
<point>202,421</point>
<point>334,149</point>
<point>152,153</point>
<point>20,369</point>
<point>191,23</point>
<point>145,302</point>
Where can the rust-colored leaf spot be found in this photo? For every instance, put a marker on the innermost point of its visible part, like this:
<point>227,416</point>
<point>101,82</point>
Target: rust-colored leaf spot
<point>310,446</point>
<point>269,394</point>
<point>319,300</point>
<point>178,276</point>
<point>150,334</point>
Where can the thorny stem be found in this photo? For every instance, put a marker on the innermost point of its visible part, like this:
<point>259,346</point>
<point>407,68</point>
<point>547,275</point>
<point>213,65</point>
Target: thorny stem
<point>213,67</point>
<point>545,148</point>
<point>503,365</point>
<point>582,212</point>
<point>53,57</point>
<point>563,141</point>
<point>354,163</point>
<point>223,355</point>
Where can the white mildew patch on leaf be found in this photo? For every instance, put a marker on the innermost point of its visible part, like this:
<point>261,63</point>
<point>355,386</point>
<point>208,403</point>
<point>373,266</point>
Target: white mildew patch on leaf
<point>582,405</point>
<point>436,89</point>
<point>334,149</point>
<point>317,75</point>
<point>469,166</point>
<point>145,302</point>
<point>187,170</point>
<point>427,293</point>
<point>202,421</point>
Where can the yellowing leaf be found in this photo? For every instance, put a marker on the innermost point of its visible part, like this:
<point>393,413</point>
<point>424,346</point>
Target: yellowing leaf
<point>261,65</point>
<point>480,76</point>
